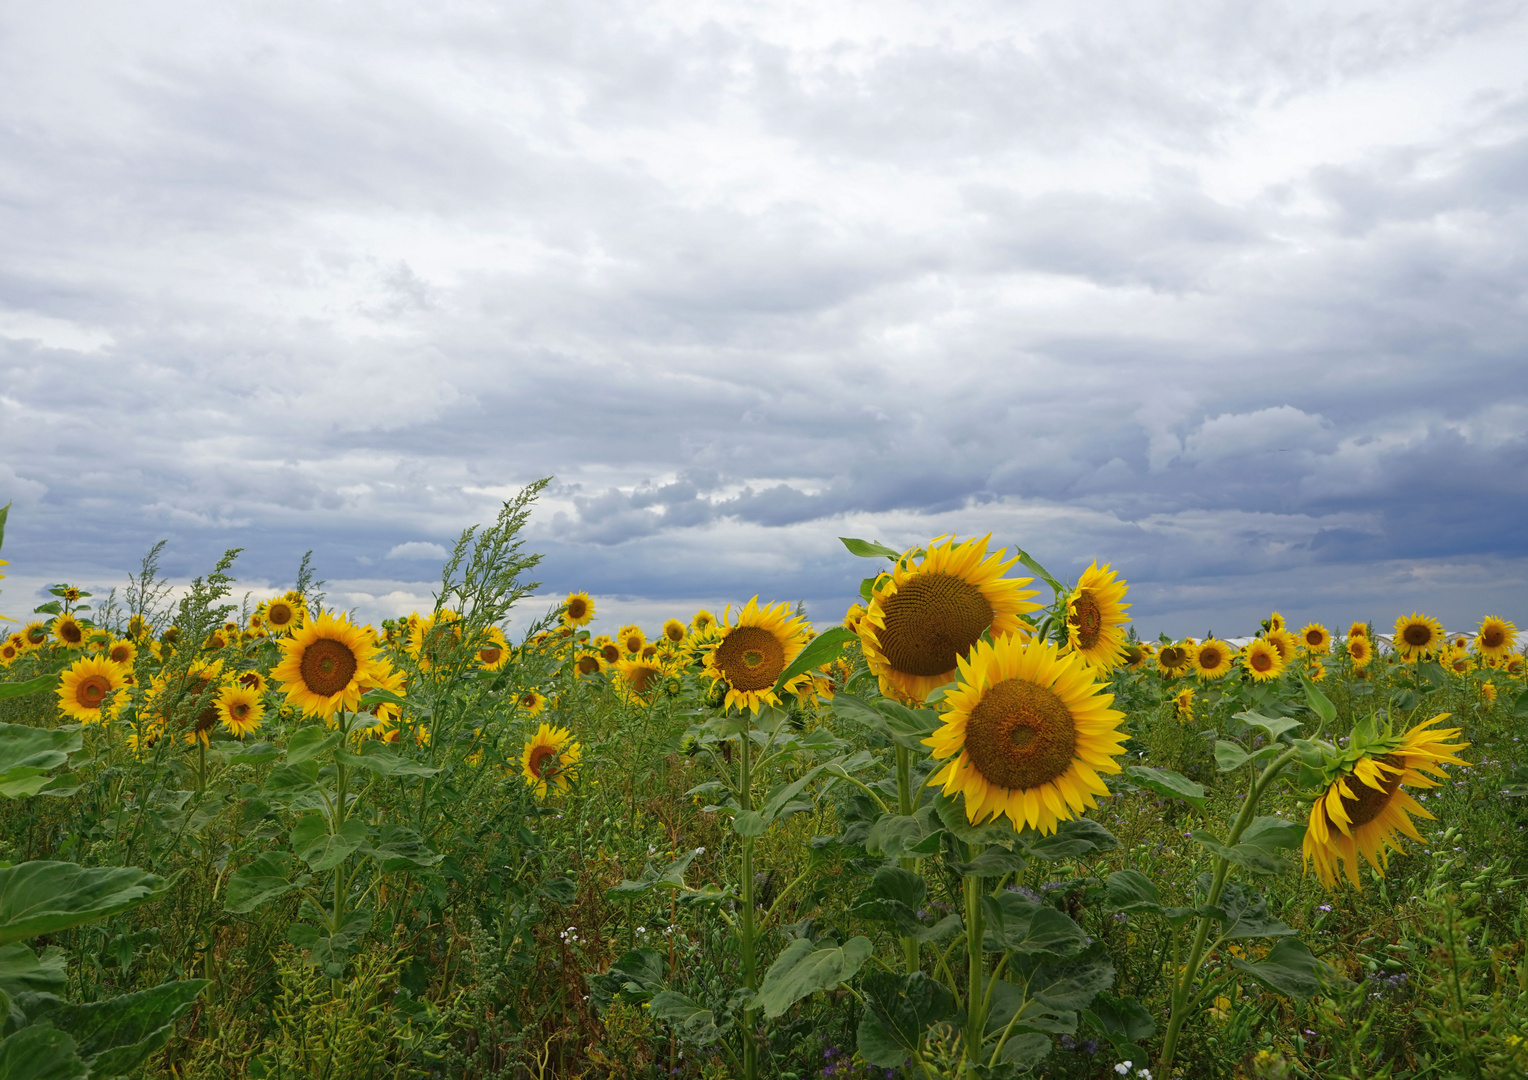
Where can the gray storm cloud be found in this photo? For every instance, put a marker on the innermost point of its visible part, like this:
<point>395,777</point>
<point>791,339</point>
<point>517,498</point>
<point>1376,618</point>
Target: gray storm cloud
<point>1229,295</point>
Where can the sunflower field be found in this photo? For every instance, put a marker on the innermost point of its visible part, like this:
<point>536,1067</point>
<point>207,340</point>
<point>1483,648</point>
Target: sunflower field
<point>982,827</point>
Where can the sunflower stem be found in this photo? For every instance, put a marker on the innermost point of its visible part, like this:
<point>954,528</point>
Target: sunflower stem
<point>746,929</point>
<point>976,996</point>
<point>1183,999</point>
<point>910,958</point>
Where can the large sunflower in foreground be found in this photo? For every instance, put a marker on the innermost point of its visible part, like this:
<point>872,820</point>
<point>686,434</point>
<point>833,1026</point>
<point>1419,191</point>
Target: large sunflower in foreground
<point>1416,634</point>
<point>1262,660</point>
<point>577,609</point>
<point>85,686</point>
<point>1362,808</point>
<point>1212,658</point>
<point>751,653</point>
<point>927,614</point>
<point>326,664</point>
<point>1095,615</point>
<point>1494,638</point>
<point>549,762</point>
<point>1027,732</point>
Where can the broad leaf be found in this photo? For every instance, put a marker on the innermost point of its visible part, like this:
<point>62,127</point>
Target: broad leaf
<point>898,1010</point>
<point>310,741</point>
<point>1169,784</point>
<point>1319,703</point>
<point>45,897</point>
<point>1230,756</point>
<point>869,549</point>
<point>1274,726</point>
<point>692,1023</point>
<point>31,686</point>
<point>823,649</point>
<point>1245,915</point>
<point>115,1036</point>
<point>993,862</point>
<point>1131,890</point>
<point>1290,968</point>
<point>1072,839</point>
<point>634,978</point>
<point>806,967</point>
<point>1019,925</point>
<point>314,844</point>
<point>268,876</point>
<point>384,759</point>
<point>41,1053</point>
<point>401,848</point>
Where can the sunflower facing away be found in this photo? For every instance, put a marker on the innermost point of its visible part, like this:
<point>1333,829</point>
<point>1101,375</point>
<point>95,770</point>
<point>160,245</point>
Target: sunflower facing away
<point>1494,638</point>
<point>1027,732</point>
<point>1363,808</point>
<point>1212,658</point>
<point>751,653</point>
<point>1262,660</point>
<point>1416,634</point>
<point>550,760</point>
<point>577,609</point>
<point>240,709</point>
<point>1095,616</point>
<point>85,686</point>
<point>927,614</point>
<point>1316,638</point>
<point>325,664</point>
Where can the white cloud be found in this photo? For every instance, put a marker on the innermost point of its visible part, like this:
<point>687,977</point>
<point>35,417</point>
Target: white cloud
<point>417,549</point>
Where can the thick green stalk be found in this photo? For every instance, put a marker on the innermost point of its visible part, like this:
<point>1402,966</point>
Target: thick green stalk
<point>341,787</point>
<point>910,960</point>
<point>976,990</point>
<point>745,930</point>
<point>1182,991</point>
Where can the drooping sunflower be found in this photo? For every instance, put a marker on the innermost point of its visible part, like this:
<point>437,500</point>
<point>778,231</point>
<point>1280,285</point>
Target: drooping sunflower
<point>122,652</point>
<point>1416,634</point>
<point>68,632</point>
<point>36,634</point>
<point>1185,703</point>
<point>240,709</point>
<point>85,687</point>
<point>1360,651</point>
<point>1316,638</point>
<point>281,615</point>
<point>492,651</point>
<point>752,652</point>
<point>929,612</point>
<point>1494,638</point>
<point>1212,658</point>
<point>1487,692</point>
<point>325,664</point>
<point>1262,660</point>
<point>630,639</point>
<point>1095,618</point>
<point>1362,808</point>
<point>1173,660</point>
<point>549,762</point>
<point>577,609</point>
<point>1027,732</point>
<point>674,631</point>
<point>703,620</point>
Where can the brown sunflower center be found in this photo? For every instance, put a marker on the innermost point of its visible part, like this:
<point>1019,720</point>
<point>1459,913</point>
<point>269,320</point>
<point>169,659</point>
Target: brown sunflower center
<point>36,635</point>
<point>931,620</point>
<point>279,614</point>
<point>1020,735</point>
<point>1417,635</point>
<point>577,608</point>
<point>1262,660</point>
<point>750,658</point>
<point>1461,663</point>
<point>674,633</point>
<point>1210,657</point>
<point>1492,637</point>
<point>1279,644</point>
<point>119,654</point>
<point>1371,802</point>
<point>588,665</point>
<point>543,762</point>
<point>611,653</point>
<point>1087,618</point>
<point>1134,654</point>
<point>250,680</point>
<point>238,710</point>
<point>92,690</point>
<point>327,667</point>
<point>633,643</point>
<point>71,632</point>
<point>490,655</point>
<point>1172,656</point>
<point>1313,638</point>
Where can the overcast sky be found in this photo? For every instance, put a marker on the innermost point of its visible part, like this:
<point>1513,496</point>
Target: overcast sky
<point>1231,295</point>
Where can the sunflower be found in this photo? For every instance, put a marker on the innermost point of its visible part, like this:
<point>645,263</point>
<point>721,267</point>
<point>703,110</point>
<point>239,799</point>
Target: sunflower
<point>852,618</point>
<point>240,709</point>
<point>1094,617</point>
<point>9,651</point>
<point>752,652</point>
<point>1317,671</point>
<point>1212,658</point>
<point>927,614</point>
<point>137,627</point>
<point>1416,634</point>
<point>36,634</point>
<point>171,636</point>
<point>609,651</point>
<point>630,639</point>
<point>589,664</point>
<point>388,714</point>
<point>1362,807</point>
<point>435,641</point>
<point>142,736</point>
<point>85,687</point>
<point>1358,629</point>
<point>1487,692</point>
<point>1360,652</point>
<point>1185,703</point>
<point>577,609</point>
<point>217,640</point>
<point>1515,665</point>
<point>281,614</point>
<point>1494,638</point>
<point>674,631</point>
<point>1027,732</point>
<point>1316,638</point>
<point>1275,621</point>
<point>492,651</point>
<point>1284,642</point>
<point>703,620</point>
<point>122,652</point>
<point>550,760</point>
<point>1457,660</point>
<point>1173,660</point>
<point>71,593</point>
<point>640,678</point>
<point>531,701</point>
<point>68,632</point>
<point>1137,654</point>
<point>325,664</point>
<point>251,680</point>
<point>1262,660</point>
<point>649,651</point>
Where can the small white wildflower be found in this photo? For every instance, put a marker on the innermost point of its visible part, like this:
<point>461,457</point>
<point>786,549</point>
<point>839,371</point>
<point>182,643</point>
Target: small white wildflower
<point>1123,1068</point>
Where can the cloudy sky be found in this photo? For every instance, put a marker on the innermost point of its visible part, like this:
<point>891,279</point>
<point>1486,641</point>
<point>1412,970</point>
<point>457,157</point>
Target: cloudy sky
<point>1231,295</point>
